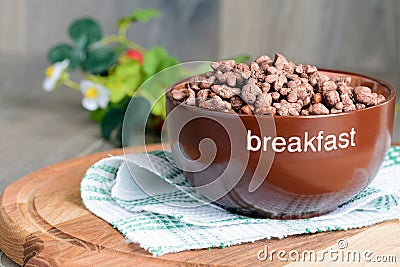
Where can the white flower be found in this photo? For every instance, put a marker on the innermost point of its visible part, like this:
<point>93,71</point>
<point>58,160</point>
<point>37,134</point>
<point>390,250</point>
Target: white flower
<point>53,74</point>
<point>94,95</point>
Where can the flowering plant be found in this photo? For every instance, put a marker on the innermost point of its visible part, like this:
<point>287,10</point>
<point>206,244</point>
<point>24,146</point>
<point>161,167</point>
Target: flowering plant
<point>113,68</point>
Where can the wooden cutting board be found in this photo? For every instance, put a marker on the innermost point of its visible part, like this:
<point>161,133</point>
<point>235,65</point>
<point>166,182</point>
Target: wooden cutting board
<point>43,223</point>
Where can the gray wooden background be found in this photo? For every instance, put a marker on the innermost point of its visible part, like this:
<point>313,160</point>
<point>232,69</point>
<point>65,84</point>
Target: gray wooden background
<point>355,35</point>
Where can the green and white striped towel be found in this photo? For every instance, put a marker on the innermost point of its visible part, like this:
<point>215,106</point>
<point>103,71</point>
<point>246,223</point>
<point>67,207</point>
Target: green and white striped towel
<point>176,219</point>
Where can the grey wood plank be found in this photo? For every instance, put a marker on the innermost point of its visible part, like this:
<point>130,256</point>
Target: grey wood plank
<point>31,27</point>
<point>358,35</point>
<point>187,29</point>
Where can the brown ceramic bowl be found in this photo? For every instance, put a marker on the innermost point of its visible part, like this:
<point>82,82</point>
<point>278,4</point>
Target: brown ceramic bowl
<point>282,184</point>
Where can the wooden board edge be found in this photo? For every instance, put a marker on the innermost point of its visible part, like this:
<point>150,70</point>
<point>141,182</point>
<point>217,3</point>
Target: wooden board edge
<point>12,235</point>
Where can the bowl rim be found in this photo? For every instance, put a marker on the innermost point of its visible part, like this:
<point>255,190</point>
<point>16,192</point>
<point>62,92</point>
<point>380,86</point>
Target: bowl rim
<point>388,86</point>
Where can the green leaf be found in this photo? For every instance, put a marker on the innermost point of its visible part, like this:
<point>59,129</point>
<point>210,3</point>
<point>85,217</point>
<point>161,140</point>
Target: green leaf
<point>154,88</point>
<point>142,15</point>
<point>168,62</point>
<point>130,75</point>
<point>158,108</point>
<point>123,80</point>
<point>64,51</point>
<point>241,59</point>
<point>152,59</point>
<point>111,125</point>
<point>157,59</point>
<point>97,115</point>
<point>135,120</point>
<point>84,32</point>
<point>117,89</point>
<point>99,60</point>
<point>140,108</point>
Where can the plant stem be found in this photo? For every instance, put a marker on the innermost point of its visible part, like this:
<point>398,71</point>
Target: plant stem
<point>71,84</point>
<point>111,39</point>
<point>122,31</point>
<point>121,39</point>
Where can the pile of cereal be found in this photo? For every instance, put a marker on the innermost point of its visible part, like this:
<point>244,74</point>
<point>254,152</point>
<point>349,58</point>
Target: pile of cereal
<point>277,87</point>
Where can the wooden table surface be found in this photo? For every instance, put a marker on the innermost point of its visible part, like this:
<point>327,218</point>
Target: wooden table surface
<point>38,128</point>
